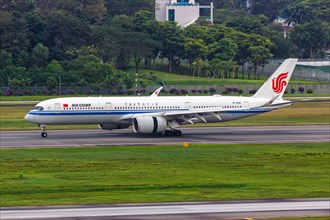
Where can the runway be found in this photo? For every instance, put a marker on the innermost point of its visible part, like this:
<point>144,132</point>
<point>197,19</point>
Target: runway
<point>209,135</point>
<point>241,209</point>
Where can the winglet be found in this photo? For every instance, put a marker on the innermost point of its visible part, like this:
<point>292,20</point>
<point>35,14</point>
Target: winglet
<point>155,93</point>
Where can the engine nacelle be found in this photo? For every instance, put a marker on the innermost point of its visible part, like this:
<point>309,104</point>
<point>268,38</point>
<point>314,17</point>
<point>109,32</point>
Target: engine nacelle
<point>149,125</point>
<point>112,126</point>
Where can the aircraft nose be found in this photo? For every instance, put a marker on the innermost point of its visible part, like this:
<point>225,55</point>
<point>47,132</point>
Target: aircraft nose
<point>28,117</point>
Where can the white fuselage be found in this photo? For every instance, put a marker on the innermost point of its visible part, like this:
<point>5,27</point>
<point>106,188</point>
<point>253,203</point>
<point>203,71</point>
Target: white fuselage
<point>154,114</point>
<point>110,110</point>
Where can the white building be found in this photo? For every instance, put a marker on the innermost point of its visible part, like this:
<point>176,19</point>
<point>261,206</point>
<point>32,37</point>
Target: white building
<point>183,12</point>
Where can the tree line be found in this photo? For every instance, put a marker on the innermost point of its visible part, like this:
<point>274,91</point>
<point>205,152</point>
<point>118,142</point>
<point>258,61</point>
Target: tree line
<point>87,42</point>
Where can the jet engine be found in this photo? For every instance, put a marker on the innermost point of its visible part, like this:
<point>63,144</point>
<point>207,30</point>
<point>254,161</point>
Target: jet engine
<point>149,125</point>
<point>112,126</point>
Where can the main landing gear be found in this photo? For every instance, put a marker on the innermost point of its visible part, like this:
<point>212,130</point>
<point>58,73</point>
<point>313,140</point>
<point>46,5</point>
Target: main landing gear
<point>43,130</point>
<point>173,132</point>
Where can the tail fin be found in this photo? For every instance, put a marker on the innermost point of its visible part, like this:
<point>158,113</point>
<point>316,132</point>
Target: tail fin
<point>278,81</point>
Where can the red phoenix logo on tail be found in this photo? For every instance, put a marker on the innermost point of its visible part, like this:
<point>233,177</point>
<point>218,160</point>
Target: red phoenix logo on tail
<point>279,82</point>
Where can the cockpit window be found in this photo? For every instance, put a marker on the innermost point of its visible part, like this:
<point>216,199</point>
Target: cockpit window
<point>39,108</point>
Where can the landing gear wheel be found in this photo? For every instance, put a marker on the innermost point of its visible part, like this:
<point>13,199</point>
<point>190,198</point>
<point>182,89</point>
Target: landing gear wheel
<point>168,133</point>
<point>43,134</point>
<point>171,133</point>
<point>177,133</point>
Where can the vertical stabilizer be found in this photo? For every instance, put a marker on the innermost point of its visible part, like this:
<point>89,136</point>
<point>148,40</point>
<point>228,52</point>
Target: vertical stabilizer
<point>278,81</point>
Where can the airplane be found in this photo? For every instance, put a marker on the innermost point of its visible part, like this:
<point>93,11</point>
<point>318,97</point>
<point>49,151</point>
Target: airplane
<point>162,114</point>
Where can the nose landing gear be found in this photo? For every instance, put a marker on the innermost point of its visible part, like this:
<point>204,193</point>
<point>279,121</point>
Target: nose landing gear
<point>43,129</point>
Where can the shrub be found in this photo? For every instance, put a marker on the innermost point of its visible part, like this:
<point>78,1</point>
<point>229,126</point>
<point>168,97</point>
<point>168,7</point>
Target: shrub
<point>177,92</point>
<point>54,91</point>
<point>301,89</point>
<point>38,92</point>
<point>18,93</point>
<point>173,91</point>
<point>27,92</point>
<point>137,91</point>
<point>252,91</point>
<point>45,91</point>
<point>206,91</point>
<point>90,92</point>
<point>225,92</point>
<point>229,90</point>
<point>286,91</point>
<point>71,91</point>
<point>236,90</point>
<point>200,91</point>
<point>309,91</point>
<point>293,91</point>
<point>143,91</point>
<point>10,91</point>
<point>193,91</point>
<point>1,92</point>
<point>129,92</point>
<point>122,92</point>
<point>113,92</point>
<point>183,91</point>
<point>212,90</point>
<point>240,91</point>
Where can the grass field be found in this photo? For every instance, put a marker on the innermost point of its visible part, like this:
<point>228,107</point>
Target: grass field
<point>177,79</point>
<point>11,118</point>
<point>98,175</point>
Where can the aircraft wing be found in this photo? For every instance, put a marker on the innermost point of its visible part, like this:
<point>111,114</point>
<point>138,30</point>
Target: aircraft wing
<point>182,115</point>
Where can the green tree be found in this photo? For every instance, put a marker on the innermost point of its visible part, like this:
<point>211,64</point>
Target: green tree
<point>141,45</point>
<point>96,71</point>
<point>215,65</point>
<point>246,24</point>
<point>121,52</point>
<point>128,81</point>
<point>145,22</point>
<point>6,59</point>
<point>301,11</point>
<point>225,50</point>
<point>195,49</point>
<point>310,38</point>
<point>129,7</point>
<point>243,42</point>
<point>37,29</point>
<point>22,83</point>
<point>198,65</point>
<point>65,31</point>
<point>271,8</point>
<point>172,40</point>
<point>22,59</point>
<point>13,32</point>
<point>51,82</point>
<point>39,55</point>
<point>259,56</point>
<point>55,69</point>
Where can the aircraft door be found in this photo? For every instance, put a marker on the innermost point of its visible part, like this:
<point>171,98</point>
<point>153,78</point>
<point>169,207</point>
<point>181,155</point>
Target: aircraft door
<point>246,104</point>
<point>108,106</point>
<point>187,105</point>
<point>57,106</point>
